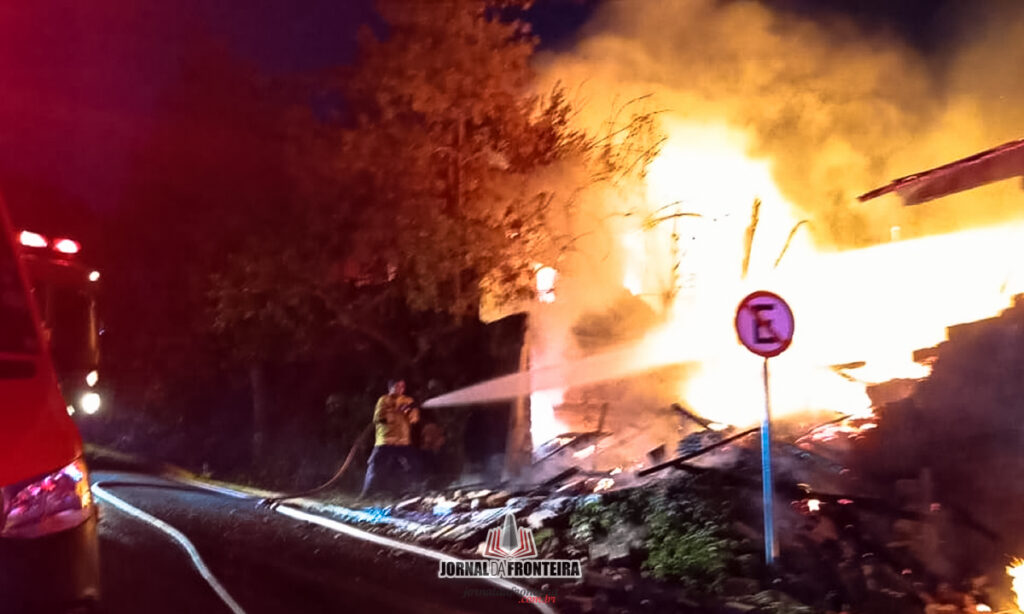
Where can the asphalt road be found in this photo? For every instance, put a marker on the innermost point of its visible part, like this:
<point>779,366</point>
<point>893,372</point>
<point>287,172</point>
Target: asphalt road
<point>267,562</point>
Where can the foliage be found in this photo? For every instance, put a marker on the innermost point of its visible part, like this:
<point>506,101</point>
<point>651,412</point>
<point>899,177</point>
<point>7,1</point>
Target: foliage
<point>464,175</point>
<point>346,416</point>
<point>594,519</point>
<point>265,303</point>
<point>542,536</point>
<point>444,177</point>
<point>209,175</point>
<point>591,521</point>
<point>689,549</point>
<point>688,539</point>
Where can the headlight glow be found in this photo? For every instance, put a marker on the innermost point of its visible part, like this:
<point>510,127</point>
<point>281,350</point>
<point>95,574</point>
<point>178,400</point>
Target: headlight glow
<point>90,402</point>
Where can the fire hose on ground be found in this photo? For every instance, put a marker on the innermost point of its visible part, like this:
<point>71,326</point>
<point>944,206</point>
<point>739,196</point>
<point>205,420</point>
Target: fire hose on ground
<point>270,502</point>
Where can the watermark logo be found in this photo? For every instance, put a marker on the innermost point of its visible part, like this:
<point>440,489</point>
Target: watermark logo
<point>510,542</point>
<point>512,553</point>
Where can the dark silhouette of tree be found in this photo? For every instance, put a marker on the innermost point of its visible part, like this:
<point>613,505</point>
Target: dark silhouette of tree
<point>463,175</point>
<point>210,179</point>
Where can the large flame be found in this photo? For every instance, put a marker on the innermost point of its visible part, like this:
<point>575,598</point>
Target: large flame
<point>875,305</point>
<point>685,256</point>
<point>543,424</point>
<point>1016,573</point>
<point>831,112</point>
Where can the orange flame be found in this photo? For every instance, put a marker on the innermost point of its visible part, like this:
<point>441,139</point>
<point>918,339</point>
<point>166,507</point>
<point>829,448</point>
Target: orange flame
<point>1016,572</point>
<point>876,305</point>
<point>684,253</point>
<point>543,424</point>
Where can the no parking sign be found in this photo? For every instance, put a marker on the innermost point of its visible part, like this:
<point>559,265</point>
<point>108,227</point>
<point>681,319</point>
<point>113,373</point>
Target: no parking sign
<point>764,325</point>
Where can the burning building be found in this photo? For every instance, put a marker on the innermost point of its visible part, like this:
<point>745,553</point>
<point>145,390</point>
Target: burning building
<point>773,125</point>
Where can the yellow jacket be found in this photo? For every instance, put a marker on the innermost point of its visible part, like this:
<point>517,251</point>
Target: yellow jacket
<point>393,425</point>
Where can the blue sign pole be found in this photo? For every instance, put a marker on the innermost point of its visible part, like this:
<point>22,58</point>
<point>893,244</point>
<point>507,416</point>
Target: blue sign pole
<point>771,548</point>
<point>764,324</point>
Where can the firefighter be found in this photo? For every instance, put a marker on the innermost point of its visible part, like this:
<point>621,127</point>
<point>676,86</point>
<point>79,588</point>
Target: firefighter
<point>393,454</point>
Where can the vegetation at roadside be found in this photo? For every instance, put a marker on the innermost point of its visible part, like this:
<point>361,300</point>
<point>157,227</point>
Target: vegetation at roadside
<point>687,525</point>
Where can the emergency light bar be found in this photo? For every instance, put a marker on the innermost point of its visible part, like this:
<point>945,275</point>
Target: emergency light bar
<point>33,239</point>
<point>63,245</point>
<point>67,246</point>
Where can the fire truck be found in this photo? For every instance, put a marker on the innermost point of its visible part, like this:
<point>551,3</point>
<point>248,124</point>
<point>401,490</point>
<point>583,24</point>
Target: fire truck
<point>65,290</point>
<point>49,545</point>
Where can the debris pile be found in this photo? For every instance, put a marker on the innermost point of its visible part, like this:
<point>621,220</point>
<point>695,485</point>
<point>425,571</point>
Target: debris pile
<point>682,532</point>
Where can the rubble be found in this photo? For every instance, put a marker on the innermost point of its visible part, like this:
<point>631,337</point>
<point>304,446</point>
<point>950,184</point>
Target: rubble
<point>697,453</point>
<point>736,587</point>
<point>539,518</point>
<point>498,499</point>
<point>846,550</point>
<point>557,479</point>
<point>733,607</point>
<point>620,545</point>
<point>407,503</point>
<point>608,579</point>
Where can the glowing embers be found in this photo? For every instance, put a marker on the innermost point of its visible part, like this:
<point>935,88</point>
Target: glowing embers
<point>851,428</point>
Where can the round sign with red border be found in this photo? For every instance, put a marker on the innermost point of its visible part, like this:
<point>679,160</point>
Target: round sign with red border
<point>764,323</point>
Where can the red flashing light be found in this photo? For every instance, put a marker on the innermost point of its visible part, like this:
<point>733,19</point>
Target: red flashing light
<point>67,246</point>
<point>32,239</point>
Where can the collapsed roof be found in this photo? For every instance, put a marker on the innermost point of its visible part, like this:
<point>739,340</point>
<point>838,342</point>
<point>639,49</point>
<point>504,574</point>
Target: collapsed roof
<point>1003,162</point>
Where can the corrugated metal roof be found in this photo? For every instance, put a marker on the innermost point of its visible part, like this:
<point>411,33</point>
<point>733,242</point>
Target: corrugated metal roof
<point>1002,162</point>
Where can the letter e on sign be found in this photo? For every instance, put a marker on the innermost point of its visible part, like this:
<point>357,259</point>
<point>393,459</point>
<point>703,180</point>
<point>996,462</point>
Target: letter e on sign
<point>764,324</point>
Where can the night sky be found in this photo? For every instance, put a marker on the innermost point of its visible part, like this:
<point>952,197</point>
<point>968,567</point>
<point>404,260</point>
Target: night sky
<point>83,80</point>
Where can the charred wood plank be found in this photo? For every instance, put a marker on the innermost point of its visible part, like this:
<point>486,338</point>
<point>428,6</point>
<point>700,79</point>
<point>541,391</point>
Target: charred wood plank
<point>704,422</point>
<point>557,479</point>
<point>682,459</point>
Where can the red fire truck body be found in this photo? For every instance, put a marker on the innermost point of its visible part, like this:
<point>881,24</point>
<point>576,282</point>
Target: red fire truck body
<point>49,548</point>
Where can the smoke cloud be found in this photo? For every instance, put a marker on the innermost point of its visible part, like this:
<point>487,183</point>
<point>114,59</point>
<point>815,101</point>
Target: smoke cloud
<point>806,114</point>
<point>837,109</point>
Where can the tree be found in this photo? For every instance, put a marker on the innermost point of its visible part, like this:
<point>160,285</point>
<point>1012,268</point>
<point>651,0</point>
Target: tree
<point>208,196</point>
<point>466,176</point>
<point>445,176</point>
<point>459,180</point>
